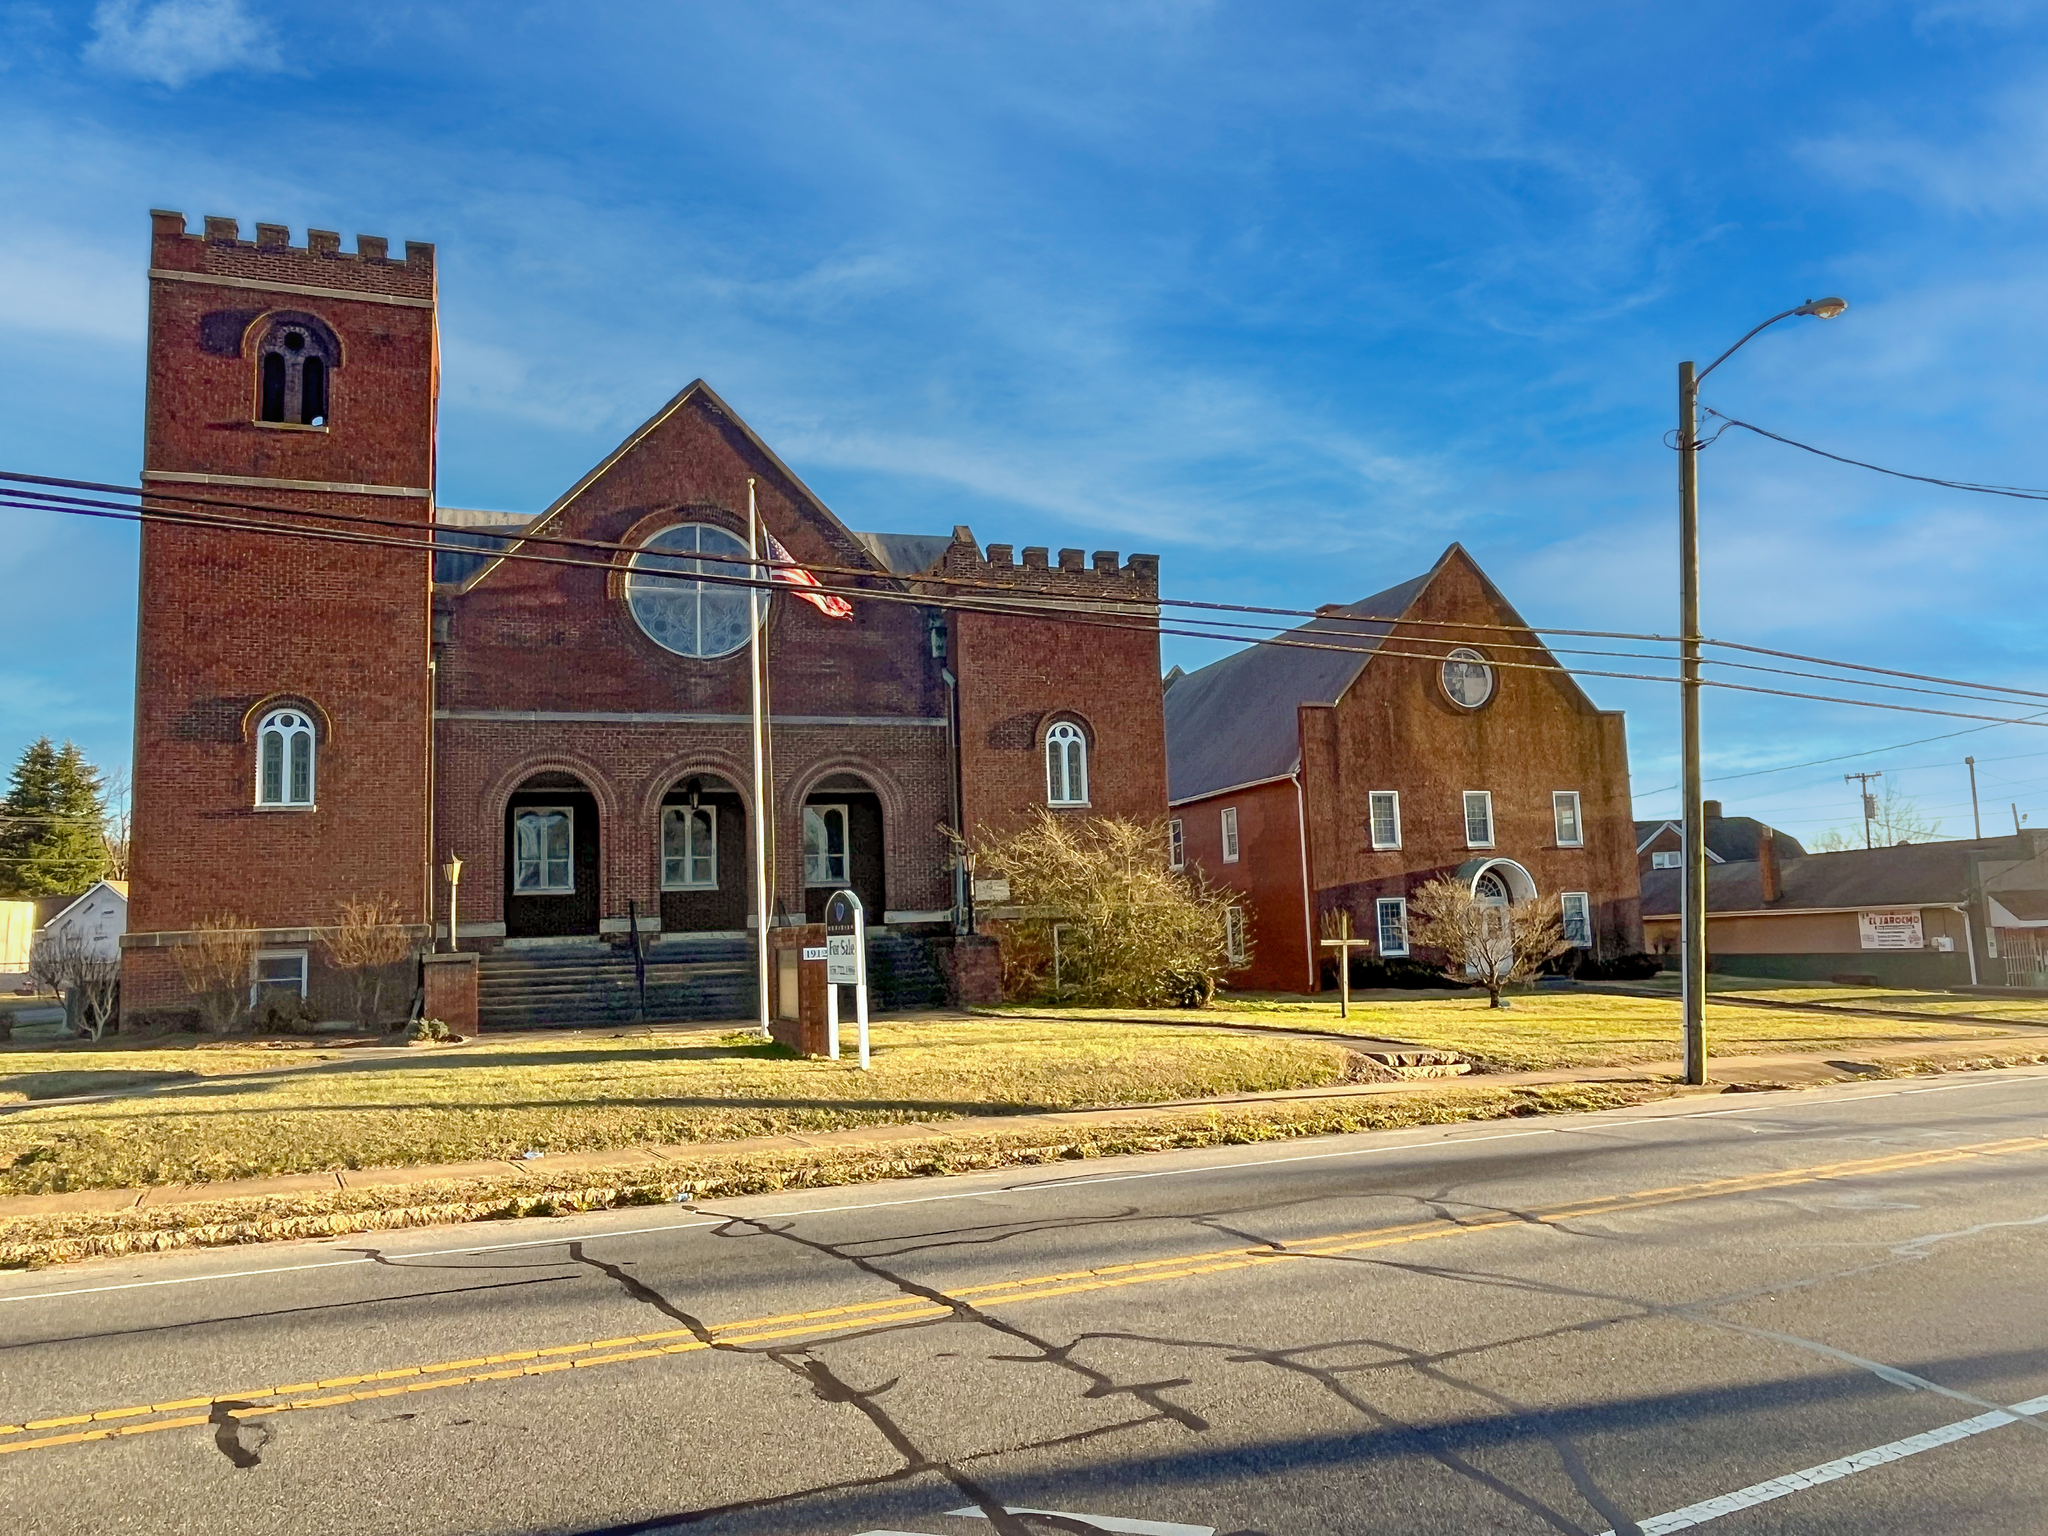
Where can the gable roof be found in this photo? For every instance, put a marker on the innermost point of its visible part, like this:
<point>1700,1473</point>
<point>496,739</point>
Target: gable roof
<point>1910,874</point>
<point>1728,837</point>
<point>697,391</point>
<point>118,887</point>
<point>1234,721</point>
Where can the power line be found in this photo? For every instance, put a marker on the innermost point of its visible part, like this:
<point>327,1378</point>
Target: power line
<point>2018,492</point>
<point>1846,757</point>
<point>1011,603</point>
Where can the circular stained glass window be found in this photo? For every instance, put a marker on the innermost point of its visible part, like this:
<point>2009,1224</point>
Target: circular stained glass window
<point>1467,677</point>
<point>679,610</point>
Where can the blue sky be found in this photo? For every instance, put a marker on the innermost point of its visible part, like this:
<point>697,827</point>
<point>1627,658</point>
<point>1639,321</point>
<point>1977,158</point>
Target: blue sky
<point>1291,294</point>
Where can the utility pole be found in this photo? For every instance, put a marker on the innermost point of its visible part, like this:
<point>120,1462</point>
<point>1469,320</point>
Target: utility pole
<point>1692,904</point>
<point>1693,888</point>
<point>2015,818</point>
<point>1870,800</point>
<point>1976,820</point>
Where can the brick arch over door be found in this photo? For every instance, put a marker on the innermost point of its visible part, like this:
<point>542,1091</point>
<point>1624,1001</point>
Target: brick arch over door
<point>726,905</point>
<point>494,804</point>
<point>888,792</point>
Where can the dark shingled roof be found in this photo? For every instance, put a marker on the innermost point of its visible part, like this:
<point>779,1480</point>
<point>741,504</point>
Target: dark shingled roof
<point>1731,837</point>
<point>489,533</point>
<point>906,554</point>
<point>1234,721</point>
<point>1909,875</point>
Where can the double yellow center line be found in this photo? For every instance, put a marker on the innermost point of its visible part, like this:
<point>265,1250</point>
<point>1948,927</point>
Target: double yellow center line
<point>823,1322</point>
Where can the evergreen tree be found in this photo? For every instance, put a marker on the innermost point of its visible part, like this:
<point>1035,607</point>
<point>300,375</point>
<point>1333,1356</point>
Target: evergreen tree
<point>50,839</point>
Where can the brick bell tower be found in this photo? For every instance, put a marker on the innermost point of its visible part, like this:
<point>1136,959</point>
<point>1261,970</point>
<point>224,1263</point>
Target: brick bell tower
<point>282,710</point>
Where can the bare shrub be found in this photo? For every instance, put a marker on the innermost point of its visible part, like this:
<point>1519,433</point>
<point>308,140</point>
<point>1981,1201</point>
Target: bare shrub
<point>216,968</point>
<point>84,971</point>
<point>1131,930</point>
<point>1486,945</point>
<point>367,942</point>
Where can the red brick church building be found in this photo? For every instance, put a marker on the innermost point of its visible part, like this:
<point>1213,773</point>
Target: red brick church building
<point>319,720</point>
<point>1424,731</point>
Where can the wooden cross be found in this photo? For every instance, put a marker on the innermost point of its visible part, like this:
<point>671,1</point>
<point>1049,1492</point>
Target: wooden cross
<point>1343,941</point>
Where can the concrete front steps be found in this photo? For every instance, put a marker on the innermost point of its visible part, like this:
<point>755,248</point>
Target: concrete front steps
<point>691,978</point>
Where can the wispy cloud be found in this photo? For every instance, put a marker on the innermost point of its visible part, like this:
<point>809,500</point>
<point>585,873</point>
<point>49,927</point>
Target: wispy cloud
<point>174,42</point>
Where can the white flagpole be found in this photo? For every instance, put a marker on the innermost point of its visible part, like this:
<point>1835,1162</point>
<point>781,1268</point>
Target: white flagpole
<point>763,808</point>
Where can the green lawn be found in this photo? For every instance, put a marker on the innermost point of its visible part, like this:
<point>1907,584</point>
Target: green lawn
<point>1563,1029</point>
<point>499,1099</point>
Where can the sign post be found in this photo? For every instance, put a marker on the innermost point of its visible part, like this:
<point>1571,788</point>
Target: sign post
<point>846,964</point>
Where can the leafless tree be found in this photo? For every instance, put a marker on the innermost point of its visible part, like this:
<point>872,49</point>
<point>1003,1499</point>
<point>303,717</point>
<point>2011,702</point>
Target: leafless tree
<point>216,967</point>
<point>367,942</point>
<point>116,818</point>
<point>1489,946</point>
<point>82,969</point>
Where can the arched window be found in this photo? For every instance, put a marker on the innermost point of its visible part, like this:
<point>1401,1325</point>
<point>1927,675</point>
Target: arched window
<point>284,758</point>
<point>1066,765</point>
<point>298,358</point>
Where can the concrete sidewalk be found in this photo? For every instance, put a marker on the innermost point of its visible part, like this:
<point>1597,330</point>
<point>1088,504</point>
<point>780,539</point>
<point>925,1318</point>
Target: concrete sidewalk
<point>1730,1074</point>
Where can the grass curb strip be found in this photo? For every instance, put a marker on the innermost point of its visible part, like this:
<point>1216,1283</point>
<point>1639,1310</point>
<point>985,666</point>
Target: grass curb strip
<point>47,1239</point>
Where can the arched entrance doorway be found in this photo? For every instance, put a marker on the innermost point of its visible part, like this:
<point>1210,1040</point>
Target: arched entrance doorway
<point>551,844</point>
<point>705,857</point>
<point>842,847</point>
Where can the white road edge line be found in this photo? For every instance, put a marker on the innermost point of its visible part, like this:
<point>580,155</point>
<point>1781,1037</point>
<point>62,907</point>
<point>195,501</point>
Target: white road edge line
<point>1835,1471</point>
<point>1446,1136</point>
<point>1101,1522</point>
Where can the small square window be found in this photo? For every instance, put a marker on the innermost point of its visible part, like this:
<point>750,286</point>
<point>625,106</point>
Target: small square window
<point>1392,915</point>
<point>1478,818</point>
<point>1666,858</point>
<point>1230,835</point>
<point>277,973</point>
<point>1385,818</point>
<point>1176,845</point>
<point>1564,810</point>
<point>1577,913</point>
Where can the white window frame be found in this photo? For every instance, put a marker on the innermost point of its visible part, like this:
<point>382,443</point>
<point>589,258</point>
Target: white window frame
<point>1565,900</point>
<point>1485,797</point>
<point>287,726</point>
<point>690,853</point>
<point>1176,844</point>
<point>569,813</point>
<point>257,980</point>
<point>825,877</point>
<point>1372,817</point>
<point>1399,906</point>
<point>1066,749</point>
<point>1559,800</point>
<point>1233,935</point>
<point>1231,846</point>
<point>1667,858</point>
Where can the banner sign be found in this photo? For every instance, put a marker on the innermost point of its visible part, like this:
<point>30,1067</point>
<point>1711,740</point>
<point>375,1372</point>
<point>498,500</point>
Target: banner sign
<point>1891,930</point>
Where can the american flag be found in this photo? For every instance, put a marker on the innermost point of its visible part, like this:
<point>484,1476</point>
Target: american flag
<point>787,571</point>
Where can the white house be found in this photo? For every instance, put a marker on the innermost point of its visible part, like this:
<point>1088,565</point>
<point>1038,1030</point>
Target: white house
<point>100,915</point>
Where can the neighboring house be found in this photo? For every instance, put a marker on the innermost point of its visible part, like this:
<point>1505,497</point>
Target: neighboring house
<point>1341,773</point>
<point>1943,914</point>
<point>324,721</point>
<point>1661,844</point>
<point>99,917</point>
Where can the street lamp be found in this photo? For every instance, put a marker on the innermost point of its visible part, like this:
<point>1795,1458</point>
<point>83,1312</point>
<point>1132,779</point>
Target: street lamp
<point>1693,902</point>
<point>452,873</point>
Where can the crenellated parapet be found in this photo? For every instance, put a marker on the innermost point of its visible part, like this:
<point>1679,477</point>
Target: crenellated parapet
<point>220,254</point>
<point>1104,581</point>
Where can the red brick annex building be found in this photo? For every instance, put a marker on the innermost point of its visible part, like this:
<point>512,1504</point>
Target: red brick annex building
<point>320,720</point>
<point>1387,748</point>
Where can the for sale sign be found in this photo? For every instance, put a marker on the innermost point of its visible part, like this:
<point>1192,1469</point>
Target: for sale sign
<point>1891,930</point>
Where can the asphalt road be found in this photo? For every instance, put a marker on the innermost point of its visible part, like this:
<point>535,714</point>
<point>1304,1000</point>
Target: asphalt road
<point>1814,1312</point>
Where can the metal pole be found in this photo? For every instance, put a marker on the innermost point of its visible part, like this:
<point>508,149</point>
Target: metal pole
<point>762,808</point>
<point>453,946</point>
<point>1976,820</point>
<point>1344,966</point>
<point>1693,892</point>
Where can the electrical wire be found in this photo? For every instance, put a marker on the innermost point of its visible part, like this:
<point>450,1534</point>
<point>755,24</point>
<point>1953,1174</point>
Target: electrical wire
<point>2018,492</point>
<point>1011,603</point>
